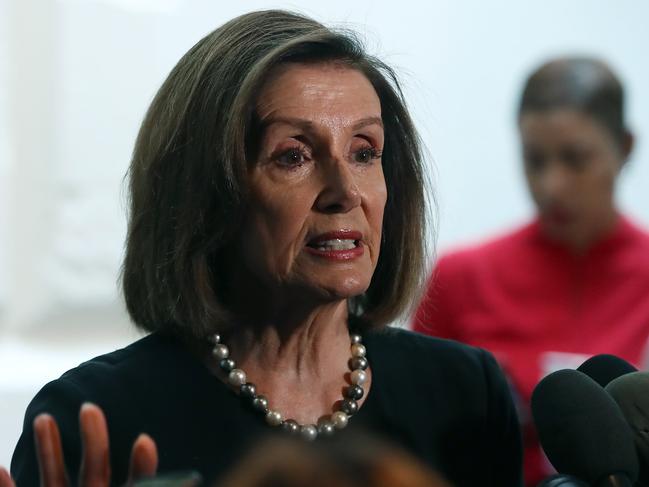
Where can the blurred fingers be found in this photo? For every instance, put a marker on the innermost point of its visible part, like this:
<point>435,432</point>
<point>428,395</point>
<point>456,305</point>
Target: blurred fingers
<point>95,464</point>
<point>49,452</point>
<point>144,458</point>
<point>5,478</point>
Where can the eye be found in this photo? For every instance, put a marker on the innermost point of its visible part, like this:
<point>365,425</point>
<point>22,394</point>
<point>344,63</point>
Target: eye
<point>366,154</point>
<point>534,160</point>
<point>294,156</point>
<point>576,159</point>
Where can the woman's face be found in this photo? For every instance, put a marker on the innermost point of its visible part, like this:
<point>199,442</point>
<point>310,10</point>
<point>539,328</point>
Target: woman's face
<point>317,187</point>
<point>571,164</point>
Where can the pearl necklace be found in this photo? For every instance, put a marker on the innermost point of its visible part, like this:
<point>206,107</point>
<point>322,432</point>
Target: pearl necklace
<point>327,425</point>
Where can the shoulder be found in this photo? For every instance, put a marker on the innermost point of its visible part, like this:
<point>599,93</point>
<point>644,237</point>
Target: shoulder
<point>452,395</point>
<point>407,342</point>
<point>434,360</point>
<point>504,245</point>
<point>629,247</point>
<point>121,367</point>
<point>107,379</point>
<point>634,233</point>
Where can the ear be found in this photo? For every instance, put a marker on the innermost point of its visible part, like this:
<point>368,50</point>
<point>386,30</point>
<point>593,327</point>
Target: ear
<point>626,146</point>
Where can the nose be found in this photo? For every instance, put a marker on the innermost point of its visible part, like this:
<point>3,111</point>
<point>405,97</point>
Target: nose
<point>555,182</point>
<point>340,192</point>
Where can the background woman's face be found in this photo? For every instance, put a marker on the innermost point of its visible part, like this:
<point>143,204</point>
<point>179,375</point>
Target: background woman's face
<point>317,189</point>
<point>571,164</point>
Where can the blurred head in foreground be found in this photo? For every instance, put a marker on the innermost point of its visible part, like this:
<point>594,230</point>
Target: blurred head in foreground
<point>575,142</point>
<point>283,462</point>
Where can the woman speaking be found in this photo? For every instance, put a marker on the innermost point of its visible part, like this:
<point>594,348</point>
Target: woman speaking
<point>276,226</point>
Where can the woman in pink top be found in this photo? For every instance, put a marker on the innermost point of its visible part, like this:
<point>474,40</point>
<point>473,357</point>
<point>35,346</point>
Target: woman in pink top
<point>575,281</point>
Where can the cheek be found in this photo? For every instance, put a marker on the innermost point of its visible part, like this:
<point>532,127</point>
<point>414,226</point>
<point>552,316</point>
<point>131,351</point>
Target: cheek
<point>379,208</point>
<point>600,182</point>
<point>375,190</point>
<point>375,207</point>
<point>609,175</point>
<point>276,223</point>
<point>535,188</point>
<point>532,180</point>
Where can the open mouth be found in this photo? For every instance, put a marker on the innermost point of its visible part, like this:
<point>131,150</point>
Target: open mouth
<point>334,244</point>
<point>338,245</point>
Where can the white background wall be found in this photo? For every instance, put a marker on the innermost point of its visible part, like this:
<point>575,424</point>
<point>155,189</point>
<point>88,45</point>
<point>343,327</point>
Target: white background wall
<point>77,75</point>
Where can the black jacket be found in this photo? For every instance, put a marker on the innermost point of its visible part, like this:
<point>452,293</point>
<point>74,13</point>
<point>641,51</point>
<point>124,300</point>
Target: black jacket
<point>446,403</point>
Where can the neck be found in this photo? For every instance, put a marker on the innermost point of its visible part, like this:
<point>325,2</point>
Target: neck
<point>287,328</point>
<point>300,362</point>
<point>581,240</point>
<point>293,343</point>
<point>299,343</point>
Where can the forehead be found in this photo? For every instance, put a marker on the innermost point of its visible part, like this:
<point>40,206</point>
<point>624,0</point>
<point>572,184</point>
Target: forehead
<point>325,93</point>
<point>559,122</point>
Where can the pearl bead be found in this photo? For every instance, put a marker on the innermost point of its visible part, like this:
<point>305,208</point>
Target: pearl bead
<point>273,418</point>
<point>358,363</point>
<point>220,351</point>
<point>260,403</point>
<point>309,432</point>
<point>354,392</point>
<point>237,377</point>
<point>248,390</point>
<point>358,350</point>
<point>349,406</point>
<point>325,428</point>
<point>291,426</point>
<point>227,364</point>
<point>358,377</point>
<point>339,419</point>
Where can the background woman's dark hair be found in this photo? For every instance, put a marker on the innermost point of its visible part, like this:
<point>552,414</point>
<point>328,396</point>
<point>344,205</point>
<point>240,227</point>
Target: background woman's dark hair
<point>584,84</point>
<point>188,174</point>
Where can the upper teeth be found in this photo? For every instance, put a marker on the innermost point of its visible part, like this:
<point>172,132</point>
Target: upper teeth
<point>336,244</point>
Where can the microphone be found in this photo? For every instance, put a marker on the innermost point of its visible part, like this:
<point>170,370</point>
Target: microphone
<point>631,392</point>
<point>176,479</point>
<point>560,480</point>
<point>582,430</point>
<point>604,368</point>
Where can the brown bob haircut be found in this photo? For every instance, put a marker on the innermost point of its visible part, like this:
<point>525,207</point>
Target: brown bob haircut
<point>188,175</point>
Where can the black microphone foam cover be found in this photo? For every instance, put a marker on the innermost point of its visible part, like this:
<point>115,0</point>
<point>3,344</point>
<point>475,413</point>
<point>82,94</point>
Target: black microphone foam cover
<point>560,480</point>
<point>631,392</point>
<point>604,368</point>
<point>581,428</point>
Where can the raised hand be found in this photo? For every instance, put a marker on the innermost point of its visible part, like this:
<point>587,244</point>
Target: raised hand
<point>95,463</point>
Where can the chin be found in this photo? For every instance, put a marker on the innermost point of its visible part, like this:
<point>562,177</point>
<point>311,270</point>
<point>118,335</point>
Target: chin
<point>347,288</point>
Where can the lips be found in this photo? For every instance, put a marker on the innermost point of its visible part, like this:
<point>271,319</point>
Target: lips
<point>337,245</point>
<point>559,216</point>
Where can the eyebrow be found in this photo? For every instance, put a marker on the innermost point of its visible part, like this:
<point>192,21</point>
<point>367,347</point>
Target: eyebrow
<point>308,125</point>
